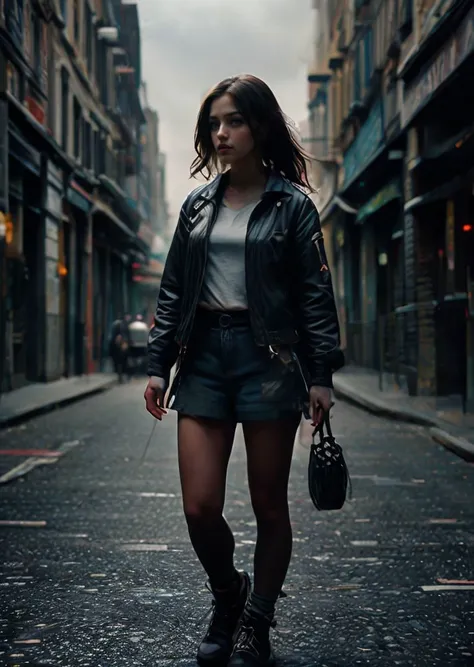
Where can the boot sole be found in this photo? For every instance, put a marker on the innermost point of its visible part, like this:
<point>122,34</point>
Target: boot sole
<point>204,662</point>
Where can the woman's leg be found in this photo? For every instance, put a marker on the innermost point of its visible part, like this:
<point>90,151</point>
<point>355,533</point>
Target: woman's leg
<point>204,448</point>
<point>269,447</point>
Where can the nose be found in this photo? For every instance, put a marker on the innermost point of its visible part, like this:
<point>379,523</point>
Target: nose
<point>222,132</point>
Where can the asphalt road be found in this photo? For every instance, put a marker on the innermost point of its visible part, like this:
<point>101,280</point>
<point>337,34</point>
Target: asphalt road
<point>107,578</point>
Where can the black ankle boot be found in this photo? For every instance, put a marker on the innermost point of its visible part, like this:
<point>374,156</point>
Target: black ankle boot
<point>228,607</point>
<point>252,645</point>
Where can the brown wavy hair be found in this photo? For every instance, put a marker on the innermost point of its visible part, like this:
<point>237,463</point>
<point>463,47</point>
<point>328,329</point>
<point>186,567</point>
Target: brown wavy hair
<point>271,130</point>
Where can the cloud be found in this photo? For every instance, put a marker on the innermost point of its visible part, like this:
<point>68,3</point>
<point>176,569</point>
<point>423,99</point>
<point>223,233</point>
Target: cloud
<point>189,45</point>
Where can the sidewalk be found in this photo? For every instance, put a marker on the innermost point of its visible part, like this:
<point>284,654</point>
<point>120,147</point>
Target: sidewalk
<point>443,416</point>
<point>21,404</point>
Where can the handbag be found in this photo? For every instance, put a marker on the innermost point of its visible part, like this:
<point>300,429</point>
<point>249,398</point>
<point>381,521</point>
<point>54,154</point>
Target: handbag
<point>328,476</point>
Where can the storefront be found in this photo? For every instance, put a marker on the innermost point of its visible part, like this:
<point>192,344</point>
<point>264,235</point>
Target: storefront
<point>23,261</point>
<point>77,251</point>
<point>112,243</point>
<point>369,239</point>
<point>437,114</point>
<point>55,273</point>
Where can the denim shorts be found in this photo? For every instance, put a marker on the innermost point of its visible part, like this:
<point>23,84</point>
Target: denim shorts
<point>226,376</point>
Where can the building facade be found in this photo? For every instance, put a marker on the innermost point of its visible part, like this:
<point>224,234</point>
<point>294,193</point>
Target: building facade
<point>73,216</point>
<point>392,115</point>
<point>147,275</point>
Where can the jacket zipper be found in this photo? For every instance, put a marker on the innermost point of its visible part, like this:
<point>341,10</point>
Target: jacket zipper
<point>316,238</point>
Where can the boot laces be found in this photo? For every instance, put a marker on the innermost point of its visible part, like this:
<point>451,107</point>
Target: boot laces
<point>220,614</point>
<point>247,638</point>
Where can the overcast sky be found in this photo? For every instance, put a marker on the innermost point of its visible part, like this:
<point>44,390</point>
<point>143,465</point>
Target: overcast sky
<point>189,45</point>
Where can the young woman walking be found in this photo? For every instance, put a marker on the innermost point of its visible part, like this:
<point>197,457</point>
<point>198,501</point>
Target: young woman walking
<point>246,311</point>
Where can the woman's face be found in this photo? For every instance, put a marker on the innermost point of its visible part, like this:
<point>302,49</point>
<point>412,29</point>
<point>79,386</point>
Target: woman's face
<point>231,136</point>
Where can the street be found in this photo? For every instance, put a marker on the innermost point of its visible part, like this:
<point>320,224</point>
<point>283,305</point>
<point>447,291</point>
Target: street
<point>107,577</point>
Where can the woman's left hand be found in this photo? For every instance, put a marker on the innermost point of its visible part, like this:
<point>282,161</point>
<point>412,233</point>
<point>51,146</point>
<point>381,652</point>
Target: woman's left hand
<point>320,401</point>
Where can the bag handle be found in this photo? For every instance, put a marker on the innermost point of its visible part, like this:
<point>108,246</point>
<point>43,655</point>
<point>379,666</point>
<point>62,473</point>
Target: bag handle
<point>325,423</point>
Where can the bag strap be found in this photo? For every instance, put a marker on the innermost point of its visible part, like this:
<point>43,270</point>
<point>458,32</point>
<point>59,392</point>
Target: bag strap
<point>325,423</point>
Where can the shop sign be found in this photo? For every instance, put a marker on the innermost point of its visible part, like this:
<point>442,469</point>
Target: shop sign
<point>460,45</point>
<point>36,109</point>
<point>365,144</point>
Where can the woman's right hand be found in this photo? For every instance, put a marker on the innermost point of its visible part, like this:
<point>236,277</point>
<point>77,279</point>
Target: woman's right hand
<point>154,397</point>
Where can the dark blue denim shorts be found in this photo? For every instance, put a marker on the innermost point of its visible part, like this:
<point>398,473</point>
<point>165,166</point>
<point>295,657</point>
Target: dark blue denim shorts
<point>226,376</point>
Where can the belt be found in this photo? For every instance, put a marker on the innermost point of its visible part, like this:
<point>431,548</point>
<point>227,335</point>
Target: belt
<point>223,319</point>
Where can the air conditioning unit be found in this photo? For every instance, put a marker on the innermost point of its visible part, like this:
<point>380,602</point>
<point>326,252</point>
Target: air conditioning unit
<point>108,34</point>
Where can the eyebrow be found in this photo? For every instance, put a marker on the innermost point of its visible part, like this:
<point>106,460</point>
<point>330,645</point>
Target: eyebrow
<point>227,115</point>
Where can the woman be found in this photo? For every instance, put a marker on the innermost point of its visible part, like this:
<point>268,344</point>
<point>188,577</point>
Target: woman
<point>246,308</point>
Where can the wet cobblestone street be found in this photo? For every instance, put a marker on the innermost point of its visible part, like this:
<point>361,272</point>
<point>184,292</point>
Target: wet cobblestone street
<point>106,577</point>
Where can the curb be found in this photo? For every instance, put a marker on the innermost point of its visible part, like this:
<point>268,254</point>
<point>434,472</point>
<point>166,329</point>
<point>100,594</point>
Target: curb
<point>378,407</point>
<point>458,445</point>
<point>19,418</point>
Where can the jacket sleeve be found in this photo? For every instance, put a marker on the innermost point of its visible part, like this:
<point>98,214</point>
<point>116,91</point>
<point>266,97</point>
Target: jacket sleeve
<point>162,347</point>
<point>317,313</point>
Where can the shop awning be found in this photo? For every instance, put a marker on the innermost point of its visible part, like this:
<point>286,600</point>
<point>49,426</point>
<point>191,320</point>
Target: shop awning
<point>442,192</point>
<point>383,197</point>
<point>22,151</point>
<point>79,197</point>
<point>100,207</point>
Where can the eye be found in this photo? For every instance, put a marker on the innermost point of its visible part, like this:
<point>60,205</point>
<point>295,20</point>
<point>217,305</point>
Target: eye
<point>213,125</point>
<point>236,122</point>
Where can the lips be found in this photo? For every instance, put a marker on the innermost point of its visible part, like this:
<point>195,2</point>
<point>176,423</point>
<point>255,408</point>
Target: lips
<point>224,147</point>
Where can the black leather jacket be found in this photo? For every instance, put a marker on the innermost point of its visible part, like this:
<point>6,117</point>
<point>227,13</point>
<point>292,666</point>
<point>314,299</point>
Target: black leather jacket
<point>289,288</point>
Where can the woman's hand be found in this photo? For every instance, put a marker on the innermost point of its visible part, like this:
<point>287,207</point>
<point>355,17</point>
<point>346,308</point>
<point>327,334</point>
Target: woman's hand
<point>320,402</point>
<point>154,397</point>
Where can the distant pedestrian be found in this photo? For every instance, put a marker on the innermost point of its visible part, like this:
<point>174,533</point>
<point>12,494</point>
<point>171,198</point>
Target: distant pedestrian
<point>119,345</point>
<point>246,309</point>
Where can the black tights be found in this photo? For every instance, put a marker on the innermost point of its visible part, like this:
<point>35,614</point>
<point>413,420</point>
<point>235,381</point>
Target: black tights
<point>204,451</point>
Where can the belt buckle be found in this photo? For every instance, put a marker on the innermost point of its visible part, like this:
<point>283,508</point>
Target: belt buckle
<point>225,320</point>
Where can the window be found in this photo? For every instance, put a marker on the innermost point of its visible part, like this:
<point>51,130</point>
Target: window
<point>36,34</point>
<point>95,151</point>
<point>64,109</point>
<point>368,58</point>
<point>64,10</point>
<point>77,21</point>
<point>102,151</point>
<point>406,18</point>
<point>77,116</point>
<point>101,70</point>
<point>88,27</point>
<point>13,11</point>
<point>357,68</point>
<point>87,152</point>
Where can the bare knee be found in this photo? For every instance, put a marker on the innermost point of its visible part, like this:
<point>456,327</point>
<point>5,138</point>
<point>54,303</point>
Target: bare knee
<point>270,508</point>
<point>202,511</point>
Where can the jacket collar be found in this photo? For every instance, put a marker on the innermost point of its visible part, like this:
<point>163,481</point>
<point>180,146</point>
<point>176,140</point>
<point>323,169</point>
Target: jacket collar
<point>277,187</point>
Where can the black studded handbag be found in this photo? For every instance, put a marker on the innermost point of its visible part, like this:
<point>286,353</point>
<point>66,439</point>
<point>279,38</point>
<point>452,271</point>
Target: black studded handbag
<point>328,476</point>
